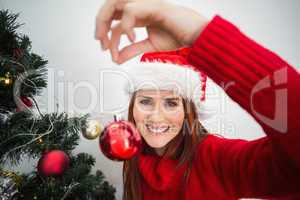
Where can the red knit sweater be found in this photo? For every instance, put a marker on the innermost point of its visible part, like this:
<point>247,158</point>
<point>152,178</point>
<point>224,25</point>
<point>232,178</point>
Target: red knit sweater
<point>234,168</point>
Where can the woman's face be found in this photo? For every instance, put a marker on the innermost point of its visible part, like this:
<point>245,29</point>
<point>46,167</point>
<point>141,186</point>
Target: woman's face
<point>159,116</point>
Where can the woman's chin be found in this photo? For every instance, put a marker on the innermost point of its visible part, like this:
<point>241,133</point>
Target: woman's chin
<point>157,144</point>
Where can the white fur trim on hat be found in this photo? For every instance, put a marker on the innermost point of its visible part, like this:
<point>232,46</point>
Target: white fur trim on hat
<point>164,76</point>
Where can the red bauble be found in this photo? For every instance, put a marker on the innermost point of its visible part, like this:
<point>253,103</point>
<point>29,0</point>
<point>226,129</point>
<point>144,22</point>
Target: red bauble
<point>26,101</point>
<point>120,140</point>
<point>53,163</point>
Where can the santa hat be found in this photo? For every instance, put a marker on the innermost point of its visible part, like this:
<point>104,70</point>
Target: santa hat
<point>167,71</point>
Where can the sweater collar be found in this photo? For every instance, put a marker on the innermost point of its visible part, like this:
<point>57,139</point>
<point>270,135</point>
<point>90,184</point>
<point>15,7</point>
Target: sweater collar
<point>159,172</point>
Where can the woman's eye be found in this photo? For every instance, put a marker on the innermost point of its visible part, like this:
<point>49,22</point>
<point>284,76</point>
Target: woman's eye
<point>145,102</point>
<point>172,104</point>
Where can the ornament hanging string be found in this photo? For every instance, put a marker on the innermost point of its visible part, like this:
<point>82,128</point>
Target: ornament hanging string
<point>37,107</point>
<point>70,187</point>
<point>50,129</point>
<point>31,129</point>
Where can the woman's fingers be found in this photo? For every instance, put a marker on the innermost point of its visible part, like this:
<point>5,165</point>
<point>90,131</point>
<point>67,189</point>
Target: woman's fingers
<point>116,34</point>
<point>112,9</point>
<point>134,49</point>
<point>131,14</point>
<point>128,23</point>
<point>126,26</point>
<point>129,51</point>
<point>103,23</point>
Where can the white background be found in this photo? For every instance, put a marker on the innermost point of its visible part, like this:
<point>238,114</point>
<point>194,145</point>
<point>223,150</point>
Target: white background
<point>63,32</point>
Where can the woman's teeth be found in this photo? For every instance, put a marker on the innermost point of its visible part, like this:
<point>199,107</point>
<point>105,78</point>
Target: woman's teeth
<point>157,129</point>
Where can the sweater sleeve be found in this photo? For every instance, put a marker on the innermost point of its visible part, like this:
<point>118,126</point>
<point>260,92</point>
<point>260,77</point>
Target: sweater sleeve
<point>268,88</point>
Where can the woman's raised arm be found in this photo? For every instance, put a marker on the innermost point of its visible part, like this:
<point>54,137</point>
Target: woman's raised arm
<point>267,87</point>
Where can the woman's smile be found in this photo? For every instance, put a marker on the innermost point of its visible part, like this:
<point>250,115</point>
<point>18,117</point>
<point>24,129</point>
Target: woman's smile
<point>157,129</point>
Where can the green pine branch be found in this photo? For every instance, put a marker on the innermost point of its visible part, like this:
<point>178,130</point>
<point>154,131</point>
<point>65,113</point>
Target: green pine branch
<point>56,131</point>
<point>23,133</point>
<point>17,60</point>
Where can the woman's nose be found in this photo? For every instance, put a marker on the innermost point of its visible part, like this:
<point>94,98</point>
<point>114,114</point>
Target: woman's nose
<point>157,113</point>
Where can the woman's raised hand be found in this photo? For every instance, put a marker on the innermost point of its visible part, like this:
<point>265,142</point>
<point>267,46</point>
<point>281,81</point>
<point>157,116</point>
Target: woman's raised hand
<point>168,26</point>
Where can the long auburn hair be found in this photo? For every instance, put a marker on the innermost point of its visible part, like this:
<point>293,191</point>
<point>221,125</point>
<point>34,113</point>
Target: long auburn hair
<point>182,147</point>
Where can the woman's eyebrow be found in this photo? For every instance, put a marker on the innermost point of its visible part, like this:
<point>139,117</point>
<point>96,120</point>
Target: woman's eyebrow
<point>172,98</point>
<point>167,98</point>
<point>144,97</point>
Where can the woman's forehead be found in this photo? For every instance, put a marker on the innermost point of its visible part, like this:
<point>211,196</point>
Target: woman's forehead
<point>157,94</point>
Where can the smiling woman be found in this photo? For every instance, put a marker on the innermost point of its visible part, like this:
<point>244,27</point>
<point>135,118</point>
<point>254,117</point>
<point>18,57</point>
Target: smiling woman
<point>162,108</point>
<point>169,127</point>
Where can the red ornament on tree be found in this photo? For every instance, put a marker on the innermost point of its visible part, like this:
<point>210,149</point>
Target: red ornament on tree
<point>53,163</point>
<point>26,102</point>
<point>120,140</point>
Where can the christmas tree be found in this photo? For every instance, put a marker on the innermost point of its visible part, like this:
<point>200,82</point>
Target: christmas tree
<point>46,137</point>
